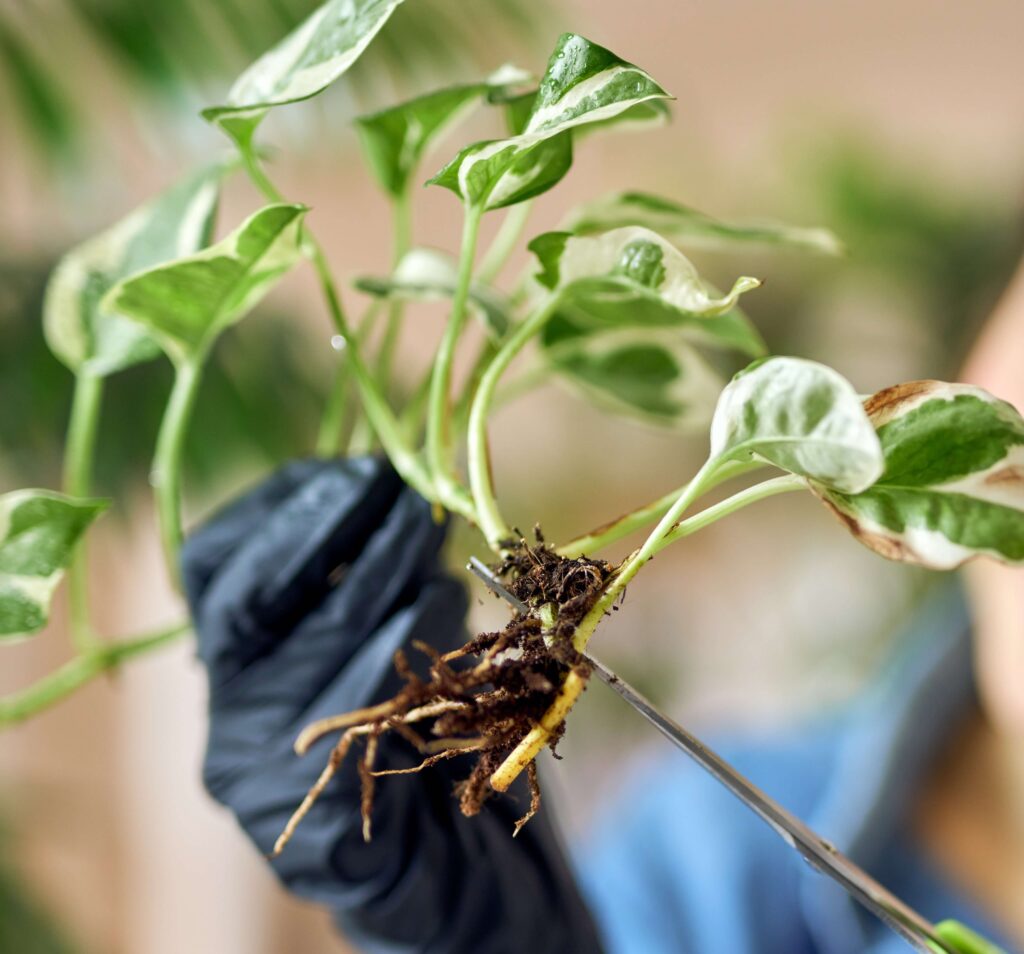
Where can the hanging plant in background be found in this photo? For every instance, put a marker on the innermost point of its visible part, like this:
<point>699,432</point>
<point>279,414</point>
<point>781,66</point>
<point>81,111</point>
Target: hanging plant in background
<point>924,472</point>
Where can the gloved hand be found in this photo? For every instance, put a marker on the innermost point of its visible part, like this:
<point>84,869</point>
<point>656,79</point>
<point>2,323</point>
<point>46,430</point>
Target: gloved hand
<point>301,592</point>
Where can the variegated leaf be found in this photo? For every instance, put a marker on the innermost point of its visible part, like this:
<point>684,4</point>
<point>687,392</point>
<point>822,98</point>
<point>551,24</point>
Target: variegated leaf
<point>303,64</point>
<point>94,340</point>
<point>186,303</point>
<point>395,139</point>
<point>649,373</point>
<point>38,533</point>
<point>584,83</point>
<point>633,277</point>
<point>426,274</point>
<point>800,416</point>
<point>953,484</point>
<point>690,227</point>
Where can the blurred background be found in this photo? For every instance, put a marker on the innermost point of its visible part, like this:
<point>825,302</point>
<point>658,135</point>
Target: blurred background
<point>898,125</point>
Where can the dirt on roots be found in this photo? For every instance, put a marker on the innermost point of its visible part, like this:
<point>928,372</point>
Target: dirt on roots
<point>482,699</point>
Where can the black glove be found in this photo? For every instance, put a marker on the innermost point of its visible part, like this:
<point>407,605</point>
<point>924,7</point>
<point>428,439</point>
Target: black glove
<point>301,592</point>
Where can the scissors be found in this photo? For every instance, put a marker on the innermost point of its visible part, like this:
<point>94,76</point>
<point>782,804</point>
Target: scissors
<point>949,937</point>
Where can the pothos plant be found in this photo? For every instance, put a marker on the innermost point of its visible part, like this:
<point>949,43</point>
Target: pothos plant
<point>924,472</point>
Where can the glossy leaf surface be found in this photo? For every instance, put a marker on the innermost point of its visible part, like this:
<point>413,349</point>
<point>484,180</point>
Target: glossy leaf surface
<point>185,304</point>
<point>394,140</point>
<point>633,277</point>
<point>800,416</point>
<point>303,64</point>
<point>38,533</point>
<point>584,83</point>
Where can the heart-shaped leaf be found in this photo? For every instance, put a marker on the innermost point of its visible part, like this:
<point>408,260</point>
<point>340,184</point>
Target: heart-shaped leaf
<point>38,533</point>
<point>801,416</point>
<point>91,339</point>
<point>395,139</point>
<point>690,227</point>
<point>584,83</point>
<point>633,277</point>
<point>953,484</point>
<point>186,303</point>
<point>649,373</point>
<point>426,274</point>
<point>303,64</point>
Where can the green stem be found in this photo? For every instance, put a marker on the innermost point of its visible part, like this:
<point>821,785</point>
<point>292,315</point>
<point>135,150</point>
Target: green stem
<point>377,410</point>
<point>328,440</point>
<point>60,683</point>
<point>669,527</point>
<point>744,498</point>
<point>169,456</point>
<point>329,437</point>
<point>439,438</point>
<point>79,452</point>
<point>609,533</point>
<point>402,217</point>
<point>504,242</point>
<point>414,412</point>
<point>481,483</point>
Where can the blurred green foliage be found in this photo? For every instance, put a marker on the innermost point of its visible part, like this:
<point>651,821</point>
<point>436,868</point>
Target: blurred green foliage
<point>25,927</point>
<point>182,53</point>
<point>259,404</point>
<point>955,252</point>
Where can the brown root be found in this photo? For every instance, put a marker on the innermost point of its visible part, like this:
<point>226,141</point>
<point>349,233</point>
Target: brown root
<point>483,709</point>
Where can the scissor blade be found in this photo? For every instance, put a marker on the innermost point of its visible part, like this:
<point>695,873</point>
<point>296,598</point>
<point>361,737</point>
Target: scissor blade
<point>818,852</point>
<point>481,571</point>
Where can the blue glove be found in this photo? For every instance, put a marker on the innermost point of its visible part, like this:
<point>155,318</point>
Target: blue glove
<point>301,592</point>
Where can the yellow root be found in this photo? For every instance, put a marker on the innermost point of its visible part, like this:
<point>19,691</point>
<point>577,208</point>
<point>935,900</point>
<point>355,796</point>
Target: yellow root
<point>539,736</point>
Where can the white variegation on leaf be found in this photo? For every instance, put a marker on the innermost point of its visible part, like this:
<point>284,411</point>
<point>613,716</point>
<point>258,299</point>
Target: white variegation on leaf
<point>584,84</point>
<point>689,227</point>
<point>800,416</point>
<point>186,303</point>
<point>633,277</point>
<point>303,64</point>
<point>38,533</point>
<point>649,373</point>
<point>953,484</point>
<point>426,274</point>
<point>91,339</point>
<point>395,139</point>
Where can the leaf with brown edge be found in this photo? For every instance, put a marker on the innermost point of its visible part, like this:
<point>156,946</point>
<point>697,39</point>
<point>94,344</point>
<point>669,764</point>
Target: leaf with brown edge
<point>953,484</point>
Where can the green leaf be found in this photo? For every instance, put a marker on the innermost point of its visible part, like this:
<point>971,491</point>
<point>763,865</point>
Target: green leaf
<point>92,339</point>
<point>690,227</point>
<point>426,274</point>
<point>801,416</point>
<point>186,303</point>
<point>395,139</point>
<point>584,84</point>
<point>38,533</point>
<point>303,64</point>
<point>649,373</point>
<point>633,277</point>
<point>953,484</point>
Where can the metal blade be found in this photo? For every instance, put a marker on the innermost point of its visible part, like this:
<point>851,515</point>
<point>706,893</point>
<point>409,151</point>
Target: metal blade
<point>819,853</point>
<point>815,850</point>
<point>479,568</point>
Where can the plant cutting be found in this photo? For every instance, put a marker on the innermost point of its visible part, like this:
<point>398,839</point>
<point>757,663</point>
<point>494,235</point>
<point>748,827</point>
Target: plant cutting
<point>926,472</point>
